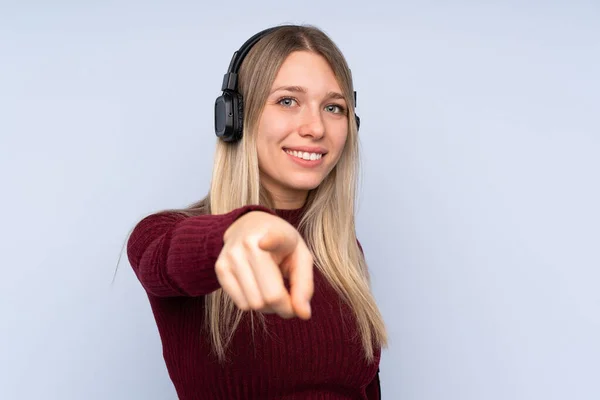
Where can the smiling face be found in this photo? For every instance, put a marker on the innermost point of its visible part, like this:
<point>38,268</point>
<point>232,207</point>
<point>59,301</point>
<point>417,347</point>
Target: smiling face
<point>302,130</point>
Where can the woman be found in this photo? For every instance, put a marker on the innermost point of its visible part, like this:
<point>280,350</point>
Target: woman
<point>260,290</point>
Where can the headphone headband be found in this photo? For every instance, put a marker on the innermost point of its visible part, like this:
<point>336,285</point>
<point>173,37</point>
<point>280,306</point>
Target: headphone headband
<point>230,78</point>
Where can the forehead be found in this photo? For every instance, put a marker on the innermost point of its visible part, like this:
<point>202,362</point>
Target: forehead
<point>308,69</point>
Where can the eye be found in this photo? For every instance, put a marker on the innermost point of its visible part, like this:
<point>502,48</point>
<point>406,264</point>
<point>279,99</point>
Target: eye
<point>286,101</point>
<point>336,109</point>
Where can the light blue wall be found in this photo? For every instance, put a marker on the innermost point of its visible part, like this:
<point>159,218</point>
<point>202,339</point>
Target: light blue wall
<point>479,206</point>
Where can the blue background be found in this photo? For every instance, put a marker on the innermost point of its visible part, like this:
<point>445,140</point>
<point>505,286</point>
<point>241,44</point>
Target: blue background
<point>479,210</point>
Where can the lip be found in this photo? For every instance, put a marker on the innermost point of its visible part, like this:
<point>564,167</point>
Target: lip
<point>305,163</point>
<point>307,149</point>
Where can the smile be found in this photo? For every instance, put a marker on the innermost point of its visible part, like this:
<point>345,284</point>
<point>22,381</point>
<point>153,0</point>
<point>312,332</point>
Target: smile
<point>304,159</point>
<point>304,155</point>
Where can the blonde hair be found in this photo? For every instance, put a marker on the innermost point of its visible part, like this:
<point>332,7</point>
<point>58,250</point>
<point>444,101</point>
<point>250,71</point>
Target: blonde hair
<point>328,221</point>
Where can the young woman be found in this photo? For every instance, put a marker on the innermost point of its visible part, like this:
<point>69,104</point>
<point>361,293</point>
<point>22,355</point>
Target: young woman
<point>261,290</point>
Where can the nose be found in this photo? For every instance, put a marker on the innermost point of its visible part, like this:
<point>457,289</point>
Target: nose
<point>312,124</point>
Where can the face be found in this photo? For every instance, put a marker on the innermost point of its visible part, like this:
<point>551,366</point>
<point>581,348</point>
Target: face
<point>302,130</point>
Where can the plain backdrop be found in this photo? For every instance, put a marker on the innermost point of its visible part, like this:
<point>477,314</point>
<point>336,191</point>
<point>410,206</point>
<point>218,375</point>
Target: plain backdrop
<point>479,205</point>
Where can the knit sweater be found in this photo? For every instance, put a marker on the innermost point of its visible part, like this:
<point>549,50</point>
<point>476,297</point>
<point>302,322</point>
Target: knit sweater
<point>173,256</point>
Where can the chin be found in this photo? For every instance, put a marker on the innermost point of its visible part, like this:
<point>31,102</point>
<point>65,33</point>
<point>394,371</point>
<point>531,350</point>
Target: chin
<point>305,184</point>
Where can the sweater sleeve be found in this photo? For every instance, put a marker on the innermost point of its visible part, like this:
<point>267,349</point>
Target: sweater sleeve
<point>374,388</point>
<point>174,255</point>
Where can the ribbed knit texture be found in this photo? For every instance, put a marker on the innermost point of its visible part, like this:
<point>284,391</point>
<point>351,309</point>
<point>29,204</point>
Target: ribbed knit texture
<point>173,256</point>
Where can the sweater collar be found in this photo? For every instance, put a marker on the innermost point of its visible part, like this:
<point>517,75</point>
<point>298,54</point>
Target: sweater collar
<point>292,216</point>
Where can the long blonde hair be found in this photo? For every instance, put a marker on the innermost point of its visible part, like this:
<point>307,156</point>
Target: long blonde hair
<point>328,221</point>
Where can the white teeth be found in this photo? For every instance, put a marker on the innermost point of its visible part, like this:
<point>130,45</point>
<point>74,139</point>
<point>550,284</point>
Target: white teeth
<point>304,155</point>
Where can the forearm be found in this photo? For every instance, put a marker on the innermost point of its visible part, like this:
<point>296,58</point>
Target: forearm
<point>175,255</point>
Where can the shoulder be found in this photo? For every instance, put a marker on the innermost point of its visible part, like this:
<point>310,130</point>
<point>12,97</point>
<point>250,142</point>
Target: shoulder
<point>155,223</point>
<point>160,219</point>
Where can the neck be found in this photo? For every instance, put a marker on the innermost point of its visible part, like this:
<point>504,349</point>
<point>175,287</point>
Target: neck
<point>291,201</point>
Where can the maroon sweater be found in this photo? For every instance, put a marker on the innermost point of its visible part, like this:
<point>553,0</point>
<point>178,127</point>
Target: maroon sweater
<point>173,257</point>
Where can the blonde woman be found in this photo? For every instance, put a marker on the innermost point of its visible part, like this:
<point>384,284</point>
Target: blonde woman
<point>260,290</point>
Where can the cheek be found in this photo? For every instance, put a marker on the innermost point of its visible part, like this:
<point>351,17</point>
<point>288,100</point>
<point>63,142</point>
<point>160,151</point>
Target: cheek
<point>273,126</point>
<point>339,144</point>
<point>340,139</point>
<point>270,136</point>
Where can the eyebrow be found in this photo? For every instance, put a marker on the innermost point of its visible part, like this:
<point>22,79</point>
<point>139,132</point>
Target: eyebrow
<point>300,89</point>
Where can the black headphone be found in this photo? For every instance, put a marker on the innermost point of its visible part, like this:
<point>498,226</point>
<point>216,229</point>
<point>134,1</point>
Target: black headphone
<point>229,106</point>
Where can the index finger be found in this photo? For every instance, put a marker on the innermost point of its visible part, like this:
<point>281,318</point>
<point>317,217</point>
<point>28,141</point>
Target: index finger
<point>270,281</point>
<point>301,280</point>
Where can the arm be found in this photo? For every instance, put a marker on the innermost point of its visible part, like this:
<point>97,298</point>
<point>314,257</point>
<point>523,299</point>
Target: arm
<point>374,388</point>
<point>174,255</point>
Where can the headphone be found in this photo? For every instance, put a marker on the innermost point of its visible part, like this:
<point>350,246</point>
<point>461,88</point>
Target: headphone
<point>229,106</point>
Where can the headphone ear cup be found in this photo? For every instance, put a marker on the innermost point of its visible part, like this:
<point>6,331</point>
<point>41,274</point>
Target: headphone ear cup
<point>357,122</point>
<point>223,116</point>
<point>229,116</point>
